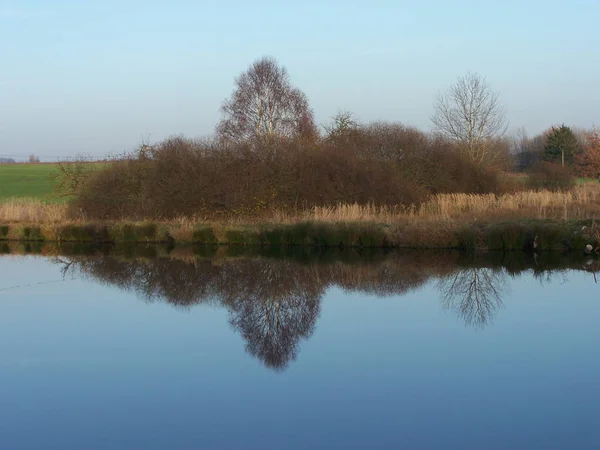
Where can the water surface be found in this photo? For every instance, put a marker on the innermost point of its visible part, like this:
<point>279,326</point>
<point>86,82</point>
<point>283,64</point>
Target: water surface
<point>108,350</point>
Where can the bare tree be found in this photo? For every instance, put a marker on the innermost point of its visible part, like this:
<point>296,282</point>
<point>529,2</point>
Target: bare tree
<point>342,123</point>
<point>265,106</point>
<point>469,114</point>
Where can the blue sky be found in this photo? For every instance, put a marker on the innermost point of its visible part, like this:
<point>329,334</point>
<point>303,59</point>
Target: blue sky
<point>97,77</point>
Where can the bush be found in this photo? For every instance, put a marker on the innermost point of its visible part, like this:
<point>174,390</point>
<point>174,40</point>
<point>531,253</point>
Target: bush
<point>384,165</point>
<point>552,177</point>
<point>587,162</point>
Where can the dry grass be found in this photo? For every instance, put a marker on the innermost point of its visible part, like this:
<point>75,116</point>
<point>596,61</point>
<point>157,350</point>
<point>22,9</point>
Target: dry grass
<point>582,202</point>
<point>24,210</point>
<point>578,203</point>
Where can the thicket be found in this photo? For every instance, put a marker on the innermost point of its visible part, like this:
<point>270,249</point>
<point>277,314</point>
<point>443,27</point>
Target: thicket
<point>380,164</point>
<point>551,176</point>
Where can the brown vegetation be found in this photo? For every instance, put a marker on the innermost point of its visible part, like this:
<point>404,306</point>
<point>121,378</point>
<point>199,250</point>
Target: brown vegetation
<point>268,158</point>
<point>581,202</point>
<point>383,164</point>
<point>268,164</point>
<point>587,162</point>
<point>32,211</point>
<point>551,176</point>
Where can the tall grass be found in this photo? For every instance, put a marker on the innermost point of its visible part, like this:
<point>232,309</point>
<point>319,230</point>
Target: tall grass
<point>32,210</point>
<point>581,202</point>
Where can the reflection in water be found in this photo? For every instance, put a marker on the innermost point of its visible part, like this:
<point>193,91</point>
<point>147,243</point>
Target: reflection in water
<point>272,308</point>
<point>474,294</point>
<point>274,303</point>
<point>272,327</point>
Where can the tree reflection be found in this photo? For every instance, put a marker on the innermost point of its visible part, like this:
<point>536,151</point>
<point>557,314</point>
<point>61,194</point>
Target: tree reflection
<point>274,303</point>
<point>273,327</point>
<point>474,294</point>
<point>177,282</point>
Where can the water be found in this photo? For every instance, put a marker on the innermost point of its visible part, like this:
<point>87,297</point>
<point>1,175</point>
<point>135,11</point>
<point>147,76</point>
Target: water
<point>320,351</point>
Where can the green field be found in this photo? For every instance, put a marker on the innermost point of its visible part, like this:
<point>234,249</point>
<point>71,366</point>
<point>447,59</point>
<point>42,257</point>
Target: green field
<point>27,180</point>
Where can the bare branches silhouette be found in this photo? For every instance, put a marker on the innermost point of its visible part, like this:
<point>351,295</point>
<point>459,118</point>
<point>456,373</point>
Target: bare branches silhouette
<point>474,294</point>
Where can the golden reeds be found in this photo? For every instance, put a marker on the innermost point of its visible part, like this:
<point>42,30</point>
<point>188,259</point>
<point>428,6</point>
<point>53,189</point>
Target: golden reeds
<point>25,210</point>
<point>582,202</point>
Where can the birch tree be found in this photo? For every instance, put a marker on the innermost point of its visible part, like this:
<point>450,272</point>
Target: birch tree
<point>265,106</point>
<point>470,114</point>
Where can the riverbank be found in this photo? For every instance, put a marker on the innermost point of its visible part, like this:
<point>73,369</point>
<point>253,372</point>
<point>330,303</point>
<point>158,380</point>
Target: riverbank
<point>547,234</point>
<point>526,220</point>
<point>580,202</point>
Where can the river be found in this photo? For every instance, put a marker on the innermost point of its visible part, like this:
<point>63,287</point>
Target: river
<point>106,349</point>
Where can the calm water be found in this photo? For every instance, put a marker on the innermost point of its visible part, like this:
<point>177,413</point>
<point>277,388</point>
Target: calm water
<point>405,350</point>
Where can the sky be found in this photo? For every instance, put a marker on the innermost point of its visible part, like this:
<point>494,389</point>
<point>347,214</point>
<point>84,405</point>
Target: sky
<point>98,77</point>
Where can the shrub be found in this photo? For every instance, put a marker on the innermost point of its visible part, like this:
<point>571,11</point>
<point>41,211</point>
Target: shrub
<point>552,177</point>
<point>384,165</point>
<point>204,235</point>
<point>31,234</point>
<point>587,162</point>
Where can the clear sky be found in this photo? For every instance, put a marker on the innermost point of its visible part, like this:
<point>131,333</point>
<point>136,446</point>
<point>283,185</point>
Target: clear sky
<point>99,76</point>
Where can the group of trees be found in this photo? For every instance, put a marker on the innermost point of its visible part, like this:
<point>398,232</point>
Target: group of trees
<point>265,107</point>
<point>575,151</point>
<point>268,154</point>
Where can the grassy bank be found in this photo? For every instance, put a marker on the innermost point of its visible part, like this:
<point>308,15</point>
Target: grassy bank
<point>513,235</point>
<point>522,220</point>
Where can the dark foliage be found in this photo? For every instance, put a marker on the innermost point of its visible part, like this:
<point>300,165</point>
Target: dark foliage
<point>587,163</point>
<point>562,144</point>
<point>551,176</point>
<point>382,164</point>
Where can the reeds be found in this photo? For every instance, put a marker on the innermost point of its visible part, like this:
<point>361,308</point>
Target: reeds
<point>581,202</point>
<point>33,211</point>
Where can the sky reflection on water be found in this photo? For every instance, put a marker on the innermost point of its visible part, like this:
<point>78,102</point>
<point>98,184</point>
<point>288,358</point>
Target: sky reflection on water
<point>414,351</point>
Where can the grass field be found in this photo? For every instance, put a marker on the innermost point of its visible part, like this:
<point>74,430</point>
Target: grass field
<point>27,180</point>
